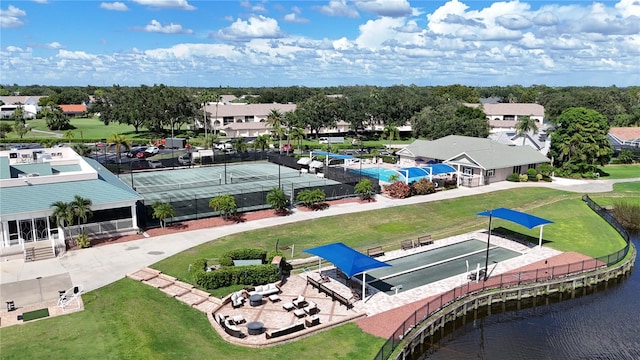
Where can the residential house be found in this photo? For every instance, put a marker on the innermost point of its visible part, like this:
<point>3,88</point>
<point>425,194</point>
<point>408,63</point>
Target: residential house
<point>73,110</point>
<point>505,116</point>
<point>477,161</point>
<point>538,140</point>
<point>29,106</point>
<point>33,179</point>
<point>624,137</point>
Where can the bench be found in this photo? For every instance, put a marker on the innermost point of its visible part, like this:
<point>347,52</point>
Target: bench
<point>285,330</point>
<point>406,245</point>
<point>334,295</point>
<point>425,240</point>
<point>375,251</point>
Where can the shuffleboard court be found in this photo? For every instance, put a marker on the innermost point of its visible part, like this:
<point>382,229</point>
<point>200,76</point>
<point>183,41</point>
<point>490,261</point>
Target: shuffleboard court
<point>423,268</point>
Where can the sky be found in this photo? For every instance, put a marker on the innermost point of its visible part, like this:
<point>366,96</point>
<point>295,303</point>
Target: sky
<point>319,43</point>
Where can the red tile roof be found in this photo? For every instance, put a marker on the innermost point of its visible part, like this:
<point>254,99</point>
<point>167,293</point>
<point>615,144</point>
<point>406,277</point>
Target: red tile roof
<point>73,108</point>
<point>625,133</point>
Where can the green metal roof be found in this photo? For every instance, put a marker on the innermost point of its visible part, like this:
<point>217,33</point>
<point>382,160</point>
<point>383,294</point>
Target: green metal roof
<point>485,152</point>
<point>42,169</point>
<point>65,168</point>
<point>20,199</point>
<point>5,172</point>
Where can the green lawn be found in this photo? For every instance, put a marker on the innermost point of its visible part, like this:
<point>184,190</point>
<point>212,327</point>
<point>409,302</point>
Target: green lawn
<point>575,227</point>
<point>621,171</point>
<point>129,320</point>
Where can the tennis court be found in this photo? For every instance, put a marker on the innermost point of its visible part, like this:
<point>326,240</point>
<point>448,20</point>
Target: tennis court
<point>425,267</point>
<point>209,181</point>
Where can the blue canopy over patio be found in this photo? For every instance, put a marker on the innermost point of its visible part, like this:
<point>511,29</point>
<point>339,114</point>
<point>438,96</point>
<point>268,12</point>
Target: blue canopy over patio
<point>412,174</point>
<point>518,217</point>
<point>350,261</point>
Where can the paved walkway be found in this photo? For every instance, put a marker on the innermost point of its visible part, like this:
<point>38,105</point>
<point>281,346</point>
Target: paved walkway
<point>99,266</point>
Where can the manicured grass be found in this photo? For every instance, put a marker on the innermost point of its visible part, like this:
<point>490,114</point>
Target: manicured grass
<point>575,227</point>
<point>130,320</point>
<point>623,192</point>
<point>621,171</point>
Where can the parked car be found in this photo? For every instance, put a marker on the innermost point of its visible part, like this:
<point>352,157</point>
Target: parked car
<point>154,164</point>
<point>153,150</point>
<point>184,160</point>
<point>135,151</point>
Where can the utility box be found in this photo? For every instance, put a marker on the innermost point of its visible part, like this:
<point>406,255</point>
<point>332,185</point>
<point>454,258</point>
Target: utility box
<point>174,143</point>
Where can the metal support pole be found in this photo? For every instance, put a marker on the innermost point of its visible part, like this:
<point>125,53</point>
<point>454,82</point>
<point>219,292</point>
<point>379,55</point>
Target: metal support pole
<point>486,261</point>
<point>173,160</point>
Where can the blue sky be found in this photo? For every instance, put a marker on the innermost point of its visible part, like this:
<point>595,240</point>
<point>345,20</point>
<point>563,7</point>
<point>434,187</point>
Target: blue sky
<point>320,43</point>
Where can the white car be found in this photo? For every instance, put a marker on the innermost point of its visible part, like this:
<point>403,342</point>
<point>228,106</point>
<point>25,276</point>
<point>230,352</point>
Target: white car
<point>154,164</point>
<point>152,150</point>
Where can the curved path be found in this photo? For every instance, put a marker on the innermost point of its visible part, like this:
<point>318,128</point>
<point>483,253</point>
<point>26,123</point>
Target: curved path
<point>100,266</point>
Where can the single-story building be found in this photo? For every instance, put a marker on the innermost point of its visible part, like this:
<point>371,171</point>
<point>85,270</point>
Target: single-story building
<point>477,161</point>
<point>31,180</point>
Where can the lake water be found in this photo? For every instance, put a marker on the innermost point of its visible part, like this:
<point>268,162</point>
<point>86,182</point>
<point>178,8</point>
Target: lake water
<point>602,325</point>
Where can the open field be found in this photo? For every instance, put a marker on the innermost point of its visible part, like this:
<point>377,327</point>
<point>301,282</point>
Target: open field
<point>621,171</point>
<point>129,320</point>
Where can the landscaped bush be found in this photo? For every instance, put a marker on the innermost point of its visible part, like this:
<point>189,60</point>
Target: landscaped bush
<point>514,177</point>
<point>398,190</point>
<point>233,275</point>
<point>310,198</point>
<point>450,184</point>
<point>423,187</point>
<point>523,177</point>
<point>242,254</point>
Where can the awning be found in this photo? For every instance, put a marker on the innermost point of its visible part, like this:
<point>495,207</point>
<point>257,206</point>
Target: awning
<point>332,155</point>
<point>304,161</point>
<point>518,217</point>
<point>316,164</point>
<point>350,261</point>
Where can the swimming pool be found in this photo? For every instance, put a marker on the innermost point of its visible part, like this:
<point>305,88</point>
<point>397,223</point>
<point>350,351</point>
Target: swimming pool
<point>381,174</point>
<point>423,268</point>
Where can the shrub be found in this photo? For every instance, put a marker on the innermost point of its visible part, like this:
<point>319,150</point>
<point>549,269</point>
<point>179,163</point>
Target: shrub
<point>625,157</point>
<point>514,177</point>
<point>227,258</point>
<point>423,187</point>
<point>364,189</point>
<point>398,190</point>
<point>224,204</point>
<point>83,240</point>
<point>627,214</point>
<point>523,177</point>
<point>277,199</point>
<point>532,172</point>
<point>310,198</point>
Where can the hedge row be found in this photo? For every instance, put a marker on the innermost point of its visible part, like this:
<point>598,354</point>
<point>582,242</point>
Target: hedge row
<point>232,275</point>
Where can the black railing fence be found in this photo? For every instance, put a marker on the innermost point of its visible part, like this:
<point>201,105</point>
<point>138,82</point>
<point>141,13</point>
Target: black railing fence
<point>505,281</point>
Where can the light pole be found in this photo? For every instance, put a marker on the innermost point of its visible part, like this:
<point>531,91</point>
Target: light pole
<point>172,140</point>
<point>486,261</point>
<point>205,119</point>
<point>131,173</point>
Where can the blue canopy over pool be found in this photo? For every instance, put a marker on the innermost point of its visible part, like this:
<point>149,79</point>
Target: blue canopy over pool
<point>415,173</point>
<point>350,261</point>
<point>332,155</point>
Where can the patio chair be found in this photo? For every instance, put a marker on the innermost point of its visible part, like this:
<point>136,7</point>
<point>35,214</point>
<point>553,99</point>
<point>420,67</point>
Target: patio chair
<point>299,302</point>
<point>312,308</point>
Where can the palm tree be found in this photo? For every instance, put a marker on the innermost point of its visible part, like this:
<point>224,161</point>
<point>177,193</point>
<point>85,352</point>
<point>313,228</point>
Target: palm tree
<point>162,211</point>
<point>297,134</point>
<point>261,142</point>
<point>239,145</point>
<point>81,208</point>
<point>524,125</point>
<point>277,199</point>
<point>69,135</point>
<point>390,132</point>
<point>118,142</point>
<point>63,215</point>
<point>275,120</point>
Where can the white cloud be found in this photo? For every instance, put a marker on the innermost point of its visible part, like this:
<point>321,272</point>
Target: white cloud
<point>11,18</point>
<point>75,55</point>
<point>156,27</point>
<point>114,6</point>
<point>295,18</point>
<point>513,22</point>
<point>545,18</point>
<point>254,8</point>
<point>169,4</point>
<point>391,8</point>
<point>256,27</point>
<point>628,8</point>
<point>338,8</point>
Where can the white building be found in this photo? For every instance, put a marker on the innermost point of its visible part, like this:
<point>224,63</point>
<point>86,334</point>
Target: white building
<point>31,180</point>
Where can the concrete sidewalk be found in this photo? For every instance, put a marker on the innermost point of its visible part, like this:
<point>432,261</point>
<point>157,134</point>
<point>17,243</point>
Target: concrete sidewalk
<point>99,266</point>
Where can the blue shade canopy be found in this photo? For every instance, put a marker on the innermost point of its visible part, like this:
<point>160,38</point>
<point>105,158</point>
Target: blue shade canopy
<point>436,169</point>
<point>350,261</point>
<point>524,219</point>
